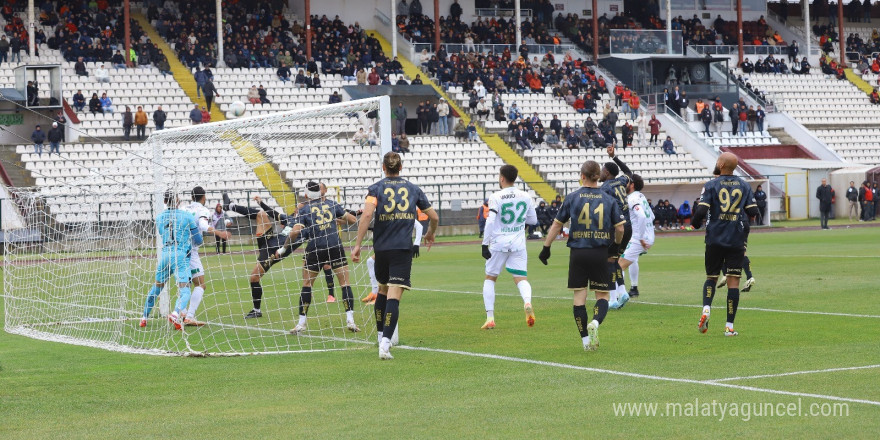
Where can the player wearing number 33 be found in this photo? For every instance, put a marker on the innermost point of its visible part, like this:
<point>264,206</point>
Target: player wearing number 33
<point>504,242</point>
<point>724,200</point>
<point>393,202</point>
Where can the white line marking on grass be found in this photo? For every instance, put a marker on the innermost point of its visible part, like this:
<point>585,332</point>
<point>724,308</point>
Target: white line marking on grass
<point>774,256</point>
<point>795,373</point>
<point>637,375</point>
<point>634,301</point>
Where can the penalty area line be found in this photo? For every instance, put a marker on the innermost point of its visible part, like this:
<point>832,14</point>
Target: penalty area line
<point>637,375</point>
<point>795,373</point>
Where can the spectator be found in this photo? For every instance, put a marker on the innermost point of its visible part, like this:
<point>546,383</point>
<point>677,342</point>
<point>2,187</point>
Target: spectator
<point>642,124</point>
<point>544,220</point>
<point>422,116</point>
<point>373,78</point>
<point>522,138</point>
<point>684,213</point>
<point>106,104</point>
<point>706,118</point>
<point>95,104</point>
<point>443,117</point>
<point>283,72</point>
<point>79,101</point>
<point>264,98</point>
<point>165,69</point>
<point>869,200</point>
<point>159,118</point>
<point>80,67</point>
<point>210,91</point>
<point>417,81</point>
<point>823,193</point>
<point>734,118</point>
<point>102,75</point>
<point>761,201</point>
<point>220,221</point>
<point>874,192</point>
<point>15,49</point>
<point>127,122</point>
<point>201,78</point>
<point>472,131</point>
<point>140,122</point>
<point>4,49</point>
<point>360,137</point>
<point>668,147</point>
<point>400,118</point>
<point>62,123</point>
<point>315,82</point>
<point>654,125</point>
<point>206,115</point>
<point>572,141</point>
<point>253,95</point>
<point>852,197</point>
<point>195,115</point>
<point>556,125</point>
<point>361,77</point>
<point>752,116</point>
<point>460,130</point>
<point>404,143</point>
<point>634,104</point>
<point>552,140</point>
<point>118,61</point>
<point>626,134</point>
<point>482,215</point>
<point>55,135</point>
<point>335,98</point>
<point>743,120</point>
<point>33,96</point>
<point>301,80</point>
<point>38,136</point>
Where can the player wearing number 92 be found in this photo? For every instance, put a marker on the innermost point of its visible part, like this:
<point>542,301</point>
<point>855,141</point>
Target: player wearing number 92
<point>724,200</point>
<point>504,242</point>
<point>597,222</point>
<point>393,200</point>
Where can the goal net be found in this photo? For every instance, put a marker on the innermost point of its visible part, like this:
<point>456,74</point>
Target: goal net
<point>86,245</point>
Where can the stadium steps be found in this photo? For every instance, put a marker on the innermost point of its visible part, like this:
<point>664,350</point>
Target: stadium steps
<point>20,177</point>
<point>262,166</point>
<point>857,81</point>
<point>501,148</point>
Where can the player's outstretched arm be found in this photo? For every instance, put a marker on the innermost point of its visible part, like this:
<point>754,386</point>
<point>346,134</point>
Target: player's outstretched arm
<point>363,227</point>
<point>623,168</point>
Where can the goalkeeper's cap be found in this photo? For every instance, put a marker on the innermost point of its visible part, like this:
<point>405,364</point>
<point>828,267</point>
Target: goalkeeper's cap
<point>313,190</point>
<point>197,193</point>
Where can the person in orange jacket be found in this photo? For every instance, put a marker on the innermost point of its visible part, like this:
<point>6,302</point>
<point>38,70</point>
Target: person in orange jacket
<point>482,215</point>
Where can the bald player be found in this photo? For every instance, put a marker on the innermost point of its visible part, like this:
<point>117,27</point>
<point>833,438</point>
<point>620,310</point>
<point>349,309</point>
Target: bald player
<point>724,200</point>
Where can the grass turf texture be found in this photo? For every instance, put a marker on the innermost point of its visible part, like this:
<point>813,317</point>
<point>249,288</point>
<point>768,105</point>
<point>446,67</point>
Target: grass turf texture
<point>57,390</point>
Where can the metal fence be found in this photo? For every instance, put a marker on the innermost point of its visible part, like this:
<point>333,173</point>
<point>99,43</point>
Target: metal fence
<point>534,49</point>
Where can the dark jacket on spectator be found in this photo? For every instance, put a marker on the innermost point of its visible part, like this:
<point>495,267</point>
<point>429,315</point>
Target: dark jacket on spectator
<point>55,134</point>
<point>38,136</point>
<point>823,193</point>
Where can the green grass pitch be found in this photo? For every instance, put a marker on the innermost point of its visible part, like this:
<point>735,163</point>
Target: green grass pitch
<point>814,307</point>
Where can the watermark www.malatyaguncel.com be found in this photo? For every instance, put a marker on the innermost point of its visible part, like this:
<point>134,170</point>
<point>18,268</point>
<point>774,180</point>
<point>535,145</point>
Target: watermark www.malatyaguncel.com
<point>744,411</point>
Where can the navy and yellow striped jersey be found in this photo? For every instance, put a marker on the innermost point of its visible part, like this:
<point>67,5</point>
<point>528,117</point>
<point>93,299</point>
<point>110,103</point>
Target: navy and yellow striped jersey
<point>594,214</point>
<point>616,188</point>
<point>396,200</point>
<point>318,219</point>
<point>727,199</point>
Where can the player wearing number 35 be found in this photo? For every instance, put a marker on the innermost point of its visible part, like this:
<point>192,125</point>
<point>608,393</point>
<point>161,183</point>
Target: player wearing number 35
<point>393,200</point>
<point>725,200</point>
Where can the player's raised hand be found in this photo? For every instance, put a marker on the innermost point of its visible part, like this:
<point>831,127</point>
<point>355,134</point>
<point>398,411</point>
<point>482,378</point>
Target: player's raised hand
<point>356,254</point>
<point>257,199</point>
<point>610,150</point>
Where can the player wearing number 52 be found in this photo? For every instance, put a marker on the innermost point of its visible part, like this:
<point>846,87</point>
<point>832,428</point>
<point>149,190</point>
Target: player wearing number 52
<point>393,200</point>
<point>597,222</point>
<point>724,200</point>
<point>504,242</point>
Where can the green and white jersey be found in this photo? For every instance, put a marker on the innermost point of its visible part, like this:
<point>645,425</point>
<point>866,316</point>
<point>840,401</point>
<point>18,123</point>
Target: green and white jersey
<point>510,210</point>
<point>202,216</point>
<point>641,216</point>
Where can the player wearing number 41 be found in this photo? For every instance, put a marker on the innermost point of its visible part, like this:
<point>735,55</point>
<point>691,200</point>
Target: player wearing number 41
<point>504,242</point>
<point>393,200</point>
<point>179,232</point>
<point>201,214</point>
<point>724,200</point>
<point>316,220</point>
<point>596,223</point>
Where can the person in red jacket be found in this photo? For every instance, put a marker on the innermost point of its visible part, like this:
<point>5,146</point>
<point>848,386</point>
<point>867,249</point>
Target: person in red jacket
<point>654,125</point>
<point>618,93</point>
<point>743,118</point>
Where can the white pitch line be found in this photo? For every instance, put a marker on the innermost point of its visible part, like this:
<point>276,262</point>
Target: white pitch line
<point>638,375</point>
<point>795,373</point>
<point>635,301</point>
<point>775,256</point>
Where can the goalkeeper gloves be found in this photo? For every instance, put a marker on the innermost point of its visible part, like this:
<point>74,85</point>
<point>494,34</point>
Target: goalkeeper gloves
<point>486,254</point>
<point>544,255</point>
<point>415,251</point>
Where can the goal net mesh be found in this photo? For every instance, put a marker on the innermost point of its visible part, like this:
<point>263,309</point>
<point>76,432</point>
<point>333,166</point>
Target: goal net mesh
<point>84,248</point>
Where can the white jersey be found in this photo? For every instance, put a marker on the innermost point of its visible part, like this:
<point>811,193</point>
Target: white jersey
<point>510,210</point>
<point>641,216</point>
<point>202,215</point>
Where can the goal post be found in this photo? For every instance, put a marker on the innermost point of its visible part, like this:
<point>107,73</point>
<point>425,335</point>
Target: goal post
<point>85,278</point>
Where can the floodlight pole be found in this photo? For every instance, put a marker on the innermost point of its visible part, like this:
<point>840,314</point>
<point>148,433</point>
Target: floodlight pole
<point>32,41</point>
<point>220,57</point>
<point>596,32</point>
<point>308,30</point>
<point>840,33</point>
<point>436,26</point>
<point>669,27</point>
<point>393,29</point>
<point>739,28</point>
<point>126,17</point>
<point>518,19</point>
<point>806,12</point>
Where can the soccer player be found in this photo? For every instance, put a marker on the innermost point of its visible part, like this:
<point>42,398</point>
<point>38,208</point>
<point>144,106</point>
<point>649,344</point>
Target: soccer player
<point>179,232</point>
<point>317,221</point>
<point>504,242</point>
<point>642,218</point>
<point>615,185</point>
<point>371,262</point>
<point>394,201</point>
<point>596,223</point>
<point>201,214</point>
<point>724,200</point>
<point>267,244</point>
<point>328,271</point>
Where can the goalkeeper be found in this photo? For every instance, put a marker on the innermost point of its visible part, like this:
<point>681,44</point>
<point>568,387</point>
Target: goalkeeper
<point>179,232</point>
<point>267,244</point>
<point>317,220</point>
